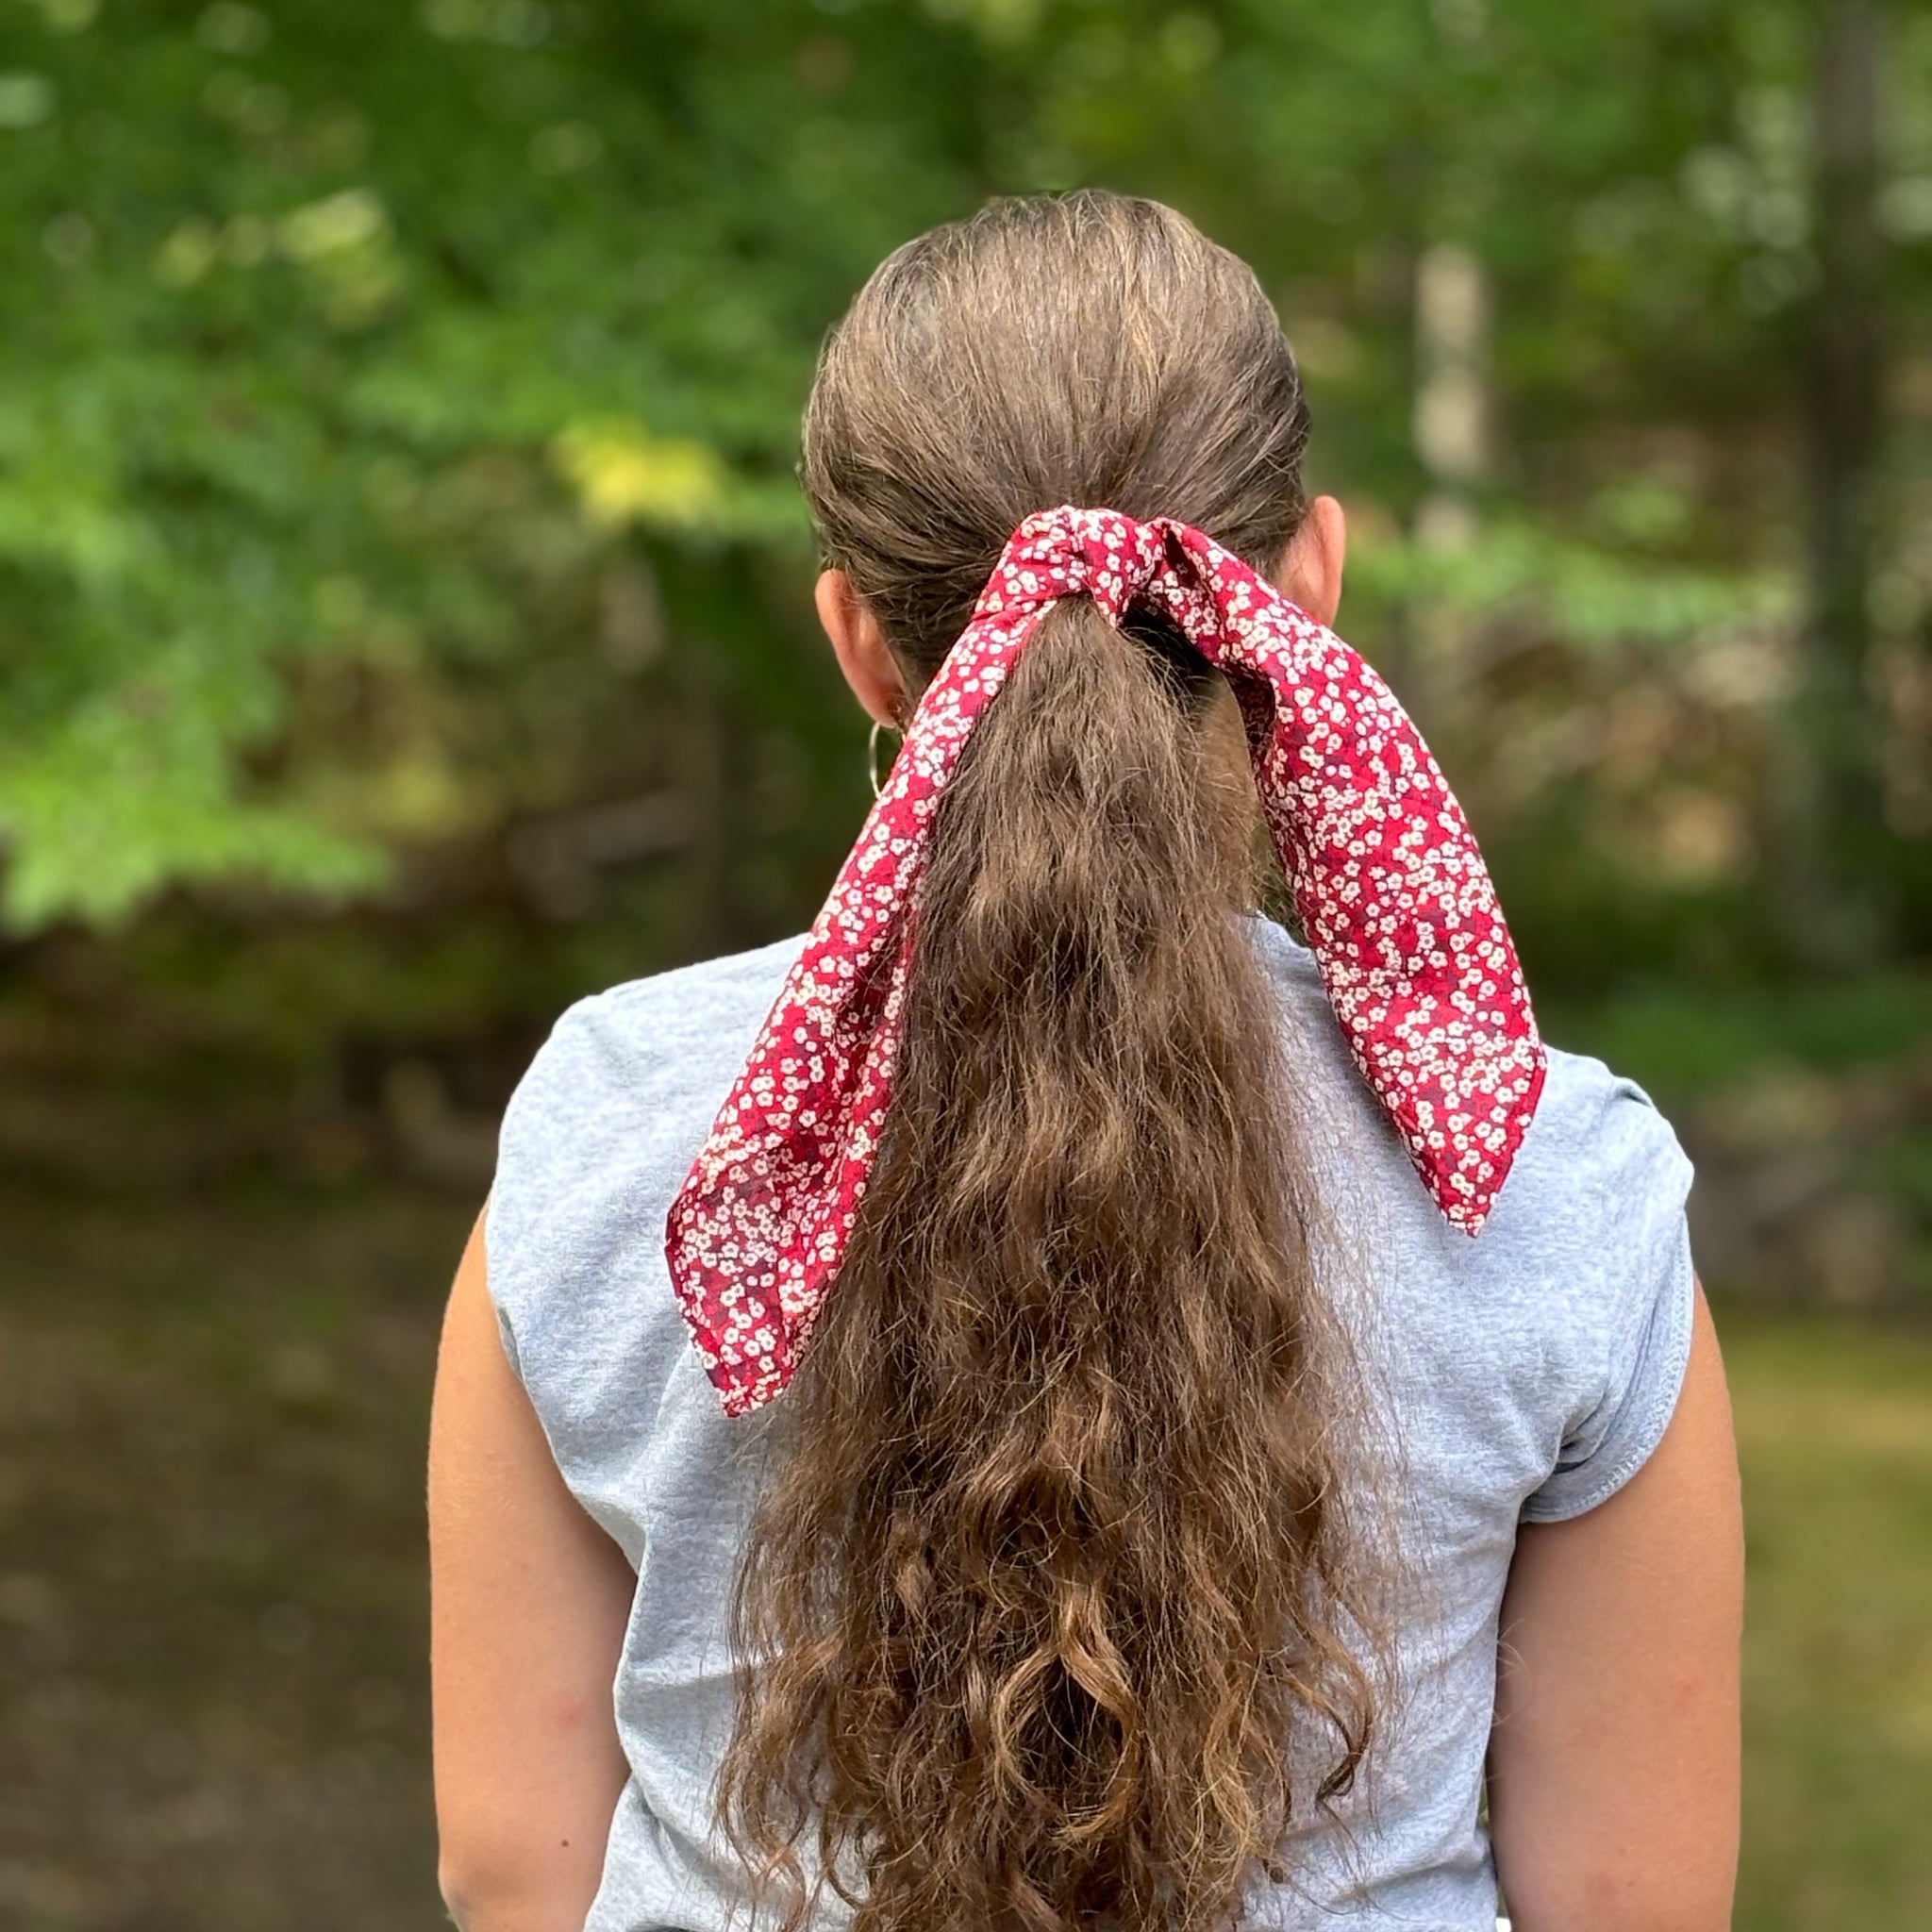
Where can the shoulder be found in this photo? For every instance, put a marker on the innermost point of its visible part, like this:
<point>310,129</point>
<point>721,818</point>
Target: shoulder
<point>1600,1166</point>
<point>1598,1156</point>
<point>650,1018</point>
<point>647,1050</point>
<point>595,1141</point>
<point>1551,1345</point>
<point>1602,1196</point>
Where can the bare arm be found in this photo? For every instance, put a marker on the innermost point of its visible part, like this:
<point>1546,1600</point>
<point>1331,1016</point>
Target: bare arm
<point>528,1601</point>
<point>1614,1764</point>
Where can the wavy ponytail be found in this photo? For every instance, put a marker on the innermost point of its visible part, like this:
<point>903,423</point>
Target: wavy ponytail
<point>1053,1595</point>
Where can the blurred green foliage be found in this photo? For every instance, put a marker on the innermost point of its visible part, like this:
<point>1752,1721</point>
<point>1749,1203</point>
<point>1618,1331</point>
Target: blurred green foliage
<point>351,349</point>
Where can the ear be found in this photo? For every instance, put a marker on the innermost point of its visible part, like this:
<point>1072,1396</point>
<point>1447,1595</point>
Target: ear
<point>861,650</point>
<point>1309,573</point>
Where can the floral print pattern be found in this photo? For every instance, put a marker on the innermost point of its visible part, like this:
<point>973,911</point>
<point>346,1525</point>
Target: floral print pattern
<point>1394,897</point>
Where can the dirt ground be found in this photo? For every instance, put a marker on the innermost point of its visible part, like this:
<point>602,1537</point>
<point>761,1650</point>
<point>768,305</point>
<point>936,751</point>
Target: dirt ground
<point>213,1608</point>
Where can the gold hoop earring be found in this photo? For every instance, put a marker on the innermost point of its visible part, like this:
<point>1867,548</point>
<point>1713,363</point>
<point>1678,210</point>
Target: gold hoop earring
<point>871,754</point>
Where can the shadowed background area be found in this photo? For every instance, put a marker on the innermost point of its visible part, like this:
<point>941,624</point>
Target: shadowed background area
<point>404,629</point>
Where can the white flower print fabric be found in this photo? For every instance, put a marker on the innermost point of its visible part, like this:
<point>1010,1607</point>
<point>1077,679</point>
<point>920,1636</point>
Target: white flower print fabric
<point>1394,897</point>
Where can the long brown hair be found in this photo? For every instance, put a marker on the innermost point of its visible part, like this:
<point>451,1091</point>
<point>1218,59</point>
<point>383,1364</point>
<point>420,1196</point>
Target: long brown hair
<point>1054,1569</point>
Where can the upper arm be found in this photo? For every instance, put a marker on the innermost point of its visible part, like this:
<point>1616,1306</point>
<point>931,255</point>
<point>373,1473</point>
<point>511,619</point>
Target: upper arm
<point>1614,1763</point>
<point>529,1604</point>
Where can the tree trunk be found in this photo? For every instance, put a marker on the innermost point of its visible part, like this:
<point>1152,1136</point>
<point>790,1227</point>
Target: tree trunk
<point>701,751</point>
<point>1836,822</point>
<point>1451,395</point>
<point>1451,426</point>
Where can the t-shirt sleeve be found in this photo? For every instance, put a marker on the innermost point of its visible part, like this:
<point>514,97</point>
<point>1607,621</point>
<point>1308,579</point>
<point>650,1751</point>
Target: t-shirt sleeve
<point>549,1224</point>
<point>1641,1305</point>
<point>513,1237</point>
<point>568,1239</point>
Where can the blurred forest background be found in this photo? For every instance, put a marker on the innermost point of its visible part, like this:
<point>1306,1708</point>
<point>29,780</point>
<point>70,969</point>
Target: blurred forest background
<point>404,629</point>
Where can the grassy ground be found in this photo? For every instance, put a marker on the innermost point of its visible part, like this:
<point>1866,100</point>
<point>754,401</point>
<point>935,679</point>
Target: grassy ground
<point>212,1700</point>
<point>1835,1426</point>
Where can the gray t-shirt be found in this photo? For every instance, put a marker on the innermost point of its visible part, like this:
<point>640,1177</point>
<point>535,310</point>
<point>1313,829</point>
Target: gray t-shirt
<point>1526,1377</point>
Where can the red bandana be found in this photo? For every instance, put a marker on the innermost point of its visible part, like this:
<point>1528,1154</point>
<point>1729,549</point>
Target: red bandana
<point>1393,898</point>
